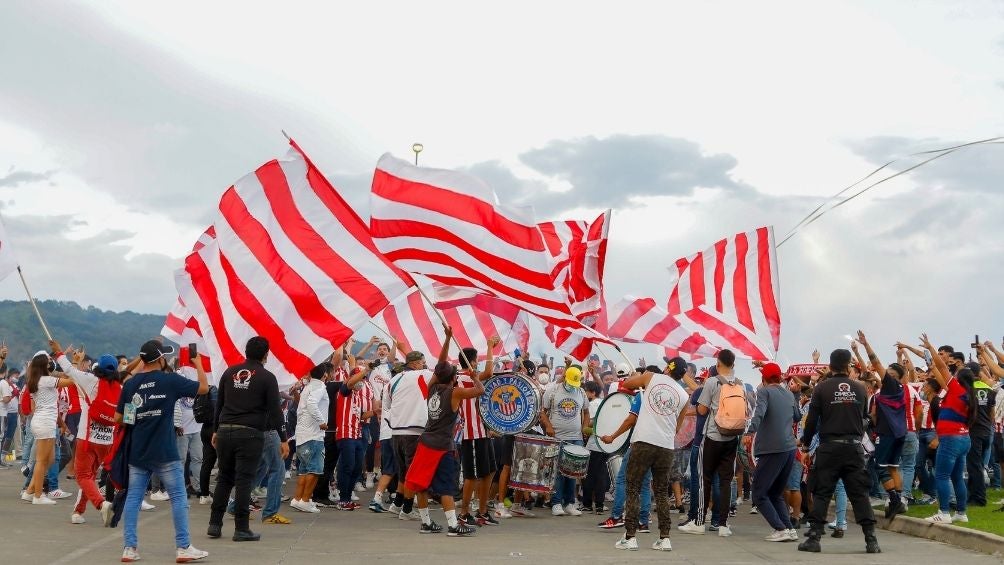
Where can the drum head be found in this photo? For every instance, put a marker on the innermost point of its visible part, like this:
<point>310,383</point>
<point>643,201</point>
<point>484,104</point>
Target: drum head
<point>609,416</point>
<point>576,450</point>
<point>510,404</point>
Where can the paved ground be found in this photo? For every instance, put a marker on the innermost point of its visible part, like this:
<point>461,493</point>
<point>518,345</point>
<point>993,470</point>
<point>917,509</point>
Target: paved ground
<point>34,534</point>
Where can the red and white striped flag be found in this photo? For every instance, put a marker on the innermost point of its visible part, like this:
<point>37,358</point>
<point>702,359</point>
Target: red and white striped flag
<point>412,320</point>
<point>291,262</point>
<point>450,227</point>
<point>578,249</point>
<point>641,320</point>
<point>729,293</point>
<point>180,326</point>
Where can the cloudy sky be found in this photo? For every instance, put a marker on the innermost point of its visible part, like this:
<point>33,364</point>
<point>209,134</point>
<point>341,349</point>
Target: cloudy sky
<point>121,123</point>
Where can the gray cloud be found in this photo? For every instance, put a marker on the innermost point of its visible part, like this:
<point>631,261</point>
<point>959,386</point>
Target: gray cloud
<point>978,168</point>
<point>13,179</point>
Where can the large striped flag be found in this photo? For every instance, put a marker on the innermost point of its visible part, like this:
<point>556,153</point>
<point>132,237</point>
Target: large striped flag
<point>412,320</point>
<point>578,249</point>
<point>180,326</point>
<point>729,293</point>
<point>450,227</point>
<point>291,262</point>
<point>641,320</point>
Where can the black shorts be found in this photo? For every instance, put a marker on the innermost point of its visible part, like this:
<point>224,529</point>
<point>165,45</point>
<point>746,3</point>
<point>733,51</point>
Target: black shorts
<point>477,457</point>
<point>404,452</point>
<point>503,450</point>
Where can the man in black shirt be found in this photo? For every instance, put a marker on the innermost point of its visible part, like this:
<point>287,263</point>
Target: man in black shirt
<point>247,406</point>
<point>838,411</point>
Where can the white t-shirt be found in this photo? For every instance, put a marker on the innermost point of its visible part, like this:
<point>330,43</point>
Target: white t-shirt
<point>592,444</point>
<point>6,390</point>
<point>45,401</point>
<point>184,416</point>
<point>664,399</point>
<point>311,412</point>
<point>379,395</point>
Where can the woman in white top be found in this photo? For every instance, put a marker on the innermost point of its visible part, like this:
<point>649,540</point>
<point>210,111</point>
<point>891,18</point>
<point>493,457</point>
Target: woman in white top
<point>44,394</point>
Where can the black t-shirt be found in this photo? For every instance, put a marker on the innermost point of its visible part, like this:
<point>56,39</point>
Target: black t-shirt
<point>838,410</point>
<point>249,396</point>
<point>986,399</point>
<point>333,389</point>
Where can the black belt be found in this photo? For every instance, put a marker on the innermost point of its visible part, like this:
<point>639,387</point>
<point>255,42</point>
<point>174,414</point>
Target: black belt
<point>843,441</point>
<point>236,427</point>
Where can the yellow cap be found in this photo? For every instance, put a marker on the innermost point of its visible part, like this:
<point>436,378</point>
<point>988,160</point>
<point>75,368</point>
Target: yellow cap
<point>573,376</point>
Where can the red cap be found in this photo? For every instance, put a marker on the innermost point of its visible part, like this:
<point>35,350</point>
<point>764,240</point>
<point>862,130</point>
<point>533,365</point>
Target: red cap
<point>770,370</point>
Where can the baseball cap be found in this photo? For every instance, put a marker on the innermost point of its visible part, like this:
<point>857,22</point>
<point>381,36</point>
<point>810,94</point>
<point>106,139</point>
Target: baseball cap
<point>413,356</point>
<point>573,376</point>
<point>623,370</point>
<point>676,367</point>
<point>108,363</point>
<point>153,350</point>
<point>770,370</point>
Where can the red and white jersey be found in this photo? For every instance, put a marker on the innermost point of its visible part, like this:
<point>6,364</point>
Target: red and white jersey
<point>474,428</point>
<point>911,399</point>
<point>350,410</point>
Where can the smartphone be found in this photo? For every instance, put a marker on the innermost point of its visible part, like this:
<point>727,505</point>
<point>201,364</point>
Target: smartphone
<point>193,352</point>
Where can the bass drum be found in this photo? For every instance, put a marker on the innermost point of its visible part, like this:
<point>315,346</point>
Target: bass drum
<point>609,416</point>
<point>534,463</point>
<point>510,404</point>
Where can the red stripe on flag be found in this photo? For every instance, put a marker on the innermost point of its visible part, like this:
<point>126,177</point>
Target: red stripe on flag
<point>739,281</point>
<point>416,308</point>
<point>696,271</point>
<point>734,337</point>
<point>767,289</point>
<point>394,327</point>
<point>203,285</point>
<point>487,326</point>
<point>456,322</point>
<point>719,273</point>
<point>623,324</point>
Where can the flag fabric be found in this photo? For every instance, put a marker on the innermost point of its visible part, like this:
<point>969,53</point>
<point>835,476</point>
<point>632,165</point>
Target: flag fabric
<point>578,249</point>
<point>180,326</point>
<point>641,320</point>
<point>450,227</point>
<point>729,293</point>
<point>8,262</point>
<point>412,320</point>
<point>292,262</point>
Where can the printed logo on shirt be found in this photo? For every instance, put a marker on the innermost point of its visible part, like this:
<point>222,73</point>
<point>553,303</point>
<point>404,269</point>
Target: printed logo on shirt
<point>137,401</point>
<point>435,407</point>
<point>242,379</point>
<point>982,396</point>
<point>662,401</point>
<point>844,394</point>
<point>568,408</point>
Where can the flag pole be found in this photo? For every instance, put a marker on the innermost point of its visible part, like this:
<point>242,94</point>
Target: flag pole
<point>383,331</point>
<point>441,318</point>
<point>33,305</point>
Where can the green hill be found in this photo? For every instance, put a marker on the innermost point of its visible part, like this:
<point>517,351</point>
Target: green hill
<point>99,331</point>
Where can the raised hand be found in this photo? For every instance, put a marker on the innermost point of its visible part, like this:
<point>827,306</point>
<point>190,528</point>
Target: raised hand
<point>815,356</point>
<point>862,338</point>
<point>493,341</point>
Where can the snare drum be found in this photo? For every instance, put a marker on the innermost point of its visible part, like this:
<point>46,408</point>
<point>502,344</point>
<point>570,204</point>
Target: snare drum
<point>609,416</point>
<point>510,404</point>
<point>534,463</point>
<point>574,461</point>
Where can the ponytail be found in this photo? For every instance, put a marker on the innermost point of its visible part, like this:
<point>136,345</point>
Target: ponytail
<point>966,379</point>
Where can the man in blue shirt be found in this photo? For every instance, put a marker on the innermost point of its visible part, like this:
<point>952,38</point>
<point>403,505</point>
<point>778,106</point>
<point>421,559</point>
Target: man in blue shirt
<point>146,407</point>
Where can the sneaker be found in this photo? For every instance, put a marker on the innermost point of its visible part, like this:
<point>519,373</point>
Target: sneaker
<point>643,529</point>
<point>354,497</point>
<point>369,482</point>
<point>411,516</point>
<point>924,501</point>
<point>940,518</point>
<point>486,520</point>
<point>76,518</point>
<point>160,496</point>
<point>793,534</point>
<point>288,475</point>
<point>107,513</point>
<point>662,545</point>
<point>571,510</point>
<point>393,509</point>
<point>43,500</point>
<point>468,519</point>
<point>25,496</point>
<point>557,510</point>
<point>893,510</point>
<point>59,494</point>
<point>628,544</point>
<point>308,506</point>
<point>776,536</point>
<point>588,509</point>
<point>431,528</point>
<point>838,533</point>
<point>503,513</point>
<point>277,519</point>
<point>732,511</point>
<point>960,518</point>
<point>146,506</point>
<point>204,500</point>
<point>259,492</point>
<point>189,554</point>
<point>713,527</point>
<point>753,510</point>
<point>692,528</point>
<point>375,506</point>
<point>724,531</point>
<point>462,530</point>
<point>611,523</point>
<point>601,510</point>
<point>130,555</point>
<point>876,502</point>
<point>323,503</point>
<point>348,506</point>
<point>359,487</point>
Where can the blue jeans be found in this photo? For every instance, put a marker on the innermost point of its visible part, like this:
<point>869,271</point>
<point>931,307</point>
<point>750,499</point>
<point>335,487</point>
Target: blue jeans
<point>10,426</point>
<point>351,454</point>
<point>172,477</point>
<point>948,469</point>
<point>926,478</point>
<point>840,494</point>
<point>564,488</point>
<point>190,446</point>
<point>52,475</point>
<point>620,492</point>
<point>908,466</point>
<point>695,485</point>
<point>271,470</point>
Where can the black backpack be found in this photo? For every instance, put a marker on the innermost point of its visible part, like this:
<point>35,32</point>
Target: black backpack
<point>204,406</point>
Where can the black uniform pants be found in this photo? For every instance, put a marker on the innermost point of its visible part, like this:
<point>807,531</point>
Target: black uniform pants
<point>238,452</point>
<point>833,462</point>
<point>974,466</point>
<point>208,459</point>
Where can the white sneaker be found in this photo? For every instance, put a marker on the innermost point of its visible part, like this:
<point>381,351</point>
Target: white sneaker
<point>940,518</point>
<point>393,509</point>
<point>43,500</point>
<point>129,555</point>
<point>571,510</point>
<point>792,534</point>
<point>662,545</point>
<point>628,544</point>
<point>312,507</point>
<point>503,513</point>
<point>369,482</point>
<point>778,535</point>
<point>259,492</point>
<point>160,496</point>
<point>724,531</point>
<point>204,500</point>
<point>355,497</point>
<point>692,528</point>
<point>360,487</point>
<point>76,518</point>
<point>960,518</point>
<point>59,494</point>
<point>414,515</point>
<point>300,505</point>
<point>557,510</point>
<point>146,506</point>
<point>190,553</point>
<point>25,496</point>
<point>107,513</point>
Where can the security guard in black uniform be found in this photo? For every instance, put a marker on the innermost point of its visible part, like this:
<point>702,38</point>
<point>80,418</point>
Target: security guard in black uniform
<point>838,411</point>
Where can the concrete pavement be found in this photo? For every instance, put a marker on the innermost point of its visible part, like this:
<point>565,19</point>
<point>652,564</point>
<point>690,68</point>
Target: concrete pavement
<point>35,534</point>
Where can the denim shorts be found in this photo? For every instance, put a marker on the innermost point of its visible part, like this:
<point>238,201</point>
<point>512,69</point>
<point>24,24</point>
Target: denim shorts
<point>795,478</point>
<point>310,456</point>
<point>889,451</point>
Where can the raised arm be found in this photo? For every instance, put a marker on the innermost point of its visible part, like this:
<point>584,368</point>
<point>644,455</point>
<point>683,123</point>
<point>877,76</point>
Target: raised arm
<point>910,348</point>
<point>940,367</point>
<point>989,361</point>
<point>877,365</point>
<point>990,346</point>
<point>369,345</point>
<point>857,356</point>
<point>444,353</point>
<point>489,359</point>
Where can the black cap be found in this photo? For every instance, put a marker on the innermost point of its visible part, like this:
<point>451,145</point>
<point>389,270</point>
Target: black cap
<point>676,367</point>
<point>153,350</point>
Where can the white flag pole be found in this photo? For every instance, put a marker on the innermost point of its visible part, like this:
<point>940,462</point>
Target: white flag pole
<point>441,318</point>
<point>33,304</point>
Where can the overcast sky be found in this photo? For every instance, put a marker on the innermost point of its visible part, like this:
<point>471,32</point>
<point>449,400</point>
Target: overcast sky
<point>121,123</point>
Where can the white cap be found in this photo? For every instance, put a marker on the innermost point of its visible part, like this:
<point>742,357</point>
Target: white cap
<point>623,370</point>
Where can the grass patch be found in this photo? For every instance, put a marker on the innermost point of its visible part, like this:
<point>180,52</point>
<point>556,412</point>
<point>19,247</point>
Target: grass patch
<point>981,518</point>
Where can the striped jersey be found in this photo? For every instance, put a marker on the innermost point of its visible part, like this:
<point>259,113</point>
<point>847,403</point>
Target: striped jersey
<point>474,427</point>
<point>911,399</point>
<point>350,409</point>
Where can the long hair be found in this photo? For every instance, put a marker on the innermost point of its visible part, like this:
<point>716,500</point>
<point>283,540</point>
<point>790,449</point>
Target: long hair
<point>966,379</point>
<point>38,368</point>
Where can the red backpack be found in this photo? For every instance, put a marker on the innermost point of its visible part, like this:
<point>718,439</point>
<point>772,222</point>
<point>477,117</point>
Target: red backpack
<point>102,409</point>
